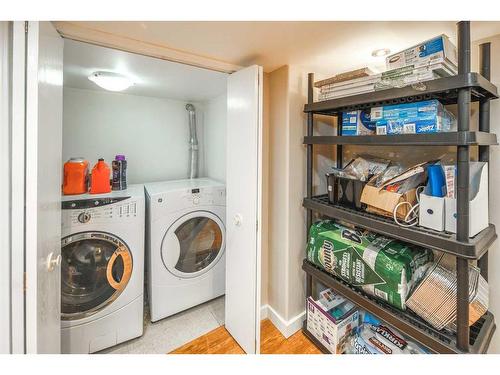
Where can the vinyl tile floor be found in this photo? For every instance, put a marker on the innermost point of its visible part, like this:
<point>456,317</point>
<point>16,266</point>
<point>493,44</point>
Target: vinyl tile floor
<point>170,333</point>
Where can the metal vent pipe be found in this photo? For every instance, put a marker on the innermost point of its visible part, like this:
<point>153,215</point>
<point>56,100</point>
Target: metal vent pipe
<point>193,142</point>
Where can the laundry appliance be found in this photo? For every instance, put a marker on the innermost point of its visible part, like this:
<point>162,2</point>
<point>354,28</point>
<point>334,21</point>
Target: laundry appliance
<point>185,244</point>
<point>102,270</point>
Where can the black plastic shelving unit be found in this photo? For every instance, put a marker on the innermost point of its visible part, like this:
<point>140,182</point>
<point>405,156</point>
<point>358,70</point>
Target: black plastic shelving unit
<point>461,90</point>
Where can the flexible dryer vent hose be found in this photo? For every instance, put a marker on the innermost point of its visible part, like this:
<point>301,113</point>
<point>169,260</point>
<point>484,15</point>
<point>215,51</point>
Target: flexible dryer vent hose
<point>193,142</point>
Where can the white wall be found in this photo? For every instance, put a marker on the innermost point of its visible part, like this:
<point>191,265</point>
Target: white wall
<point>494,180</point>
<point>153,133</point>
<point>214,136</point>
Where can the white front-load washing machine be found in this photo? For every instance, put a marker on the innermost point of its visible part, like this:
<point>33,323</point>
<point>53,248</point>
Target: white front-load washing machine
<point>102,271</point>
<point>185,243</point>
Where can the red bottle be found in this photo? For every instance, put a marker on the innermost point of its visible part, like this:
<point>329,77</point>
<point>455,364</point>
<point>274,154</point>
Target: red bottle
<point>99,181</point>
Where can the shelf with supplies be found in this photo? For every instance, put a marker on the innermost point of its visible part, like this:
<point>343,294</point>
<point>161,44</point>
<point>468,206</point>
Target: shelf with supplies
<point>444,89</point>
<point>441,241</point>
<point>470,242</point>
<point>414,327</point>
<point>464,138</point>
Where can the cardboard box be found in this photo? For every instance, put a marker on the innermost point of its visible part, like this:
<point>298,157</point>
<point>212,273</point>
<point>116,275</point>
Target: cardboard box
<point>427,116</point>
<point>478,206</point>
<point>432,51</point>
<point>322,326</point>
<point>357,123</point>
<point>383,202</point>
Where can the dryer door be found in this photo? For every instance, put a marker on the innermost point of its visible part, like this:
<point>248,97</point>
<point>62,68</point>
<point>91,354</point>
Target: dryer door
<point>193,244</point>
<point>96,268</point>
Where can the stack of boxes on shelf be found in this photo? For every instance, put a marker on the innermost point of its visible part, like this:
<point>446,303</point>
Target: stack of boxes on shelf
<point>431,59</point>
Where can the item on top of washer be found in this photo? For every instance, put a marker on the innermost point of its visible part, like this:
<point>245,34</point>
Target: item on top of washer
<point>380,266</point>
<point>75,176</point>
<point>99,181</point>
<point>374,337</point>
<point>119,166</point>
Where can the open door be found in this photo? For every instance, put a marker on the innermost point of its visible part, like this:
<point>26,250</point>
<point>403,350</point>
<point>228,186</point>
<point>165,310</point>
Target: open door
<point>244,197</point>
<point>43,147</point>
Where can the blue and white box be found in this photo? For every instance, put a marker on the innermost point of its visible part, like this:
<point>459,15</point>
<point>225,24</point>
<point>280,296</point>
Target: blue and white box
<point>358,123</point>
<point>432,51</point>
<point>428,116</point>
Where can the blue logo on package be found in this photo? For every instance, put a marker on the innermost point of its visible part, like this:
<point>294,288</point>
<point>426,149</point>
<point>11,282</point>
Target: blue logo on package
<point>366,120</point>
<point>358,123</point>
<point>430,47</point>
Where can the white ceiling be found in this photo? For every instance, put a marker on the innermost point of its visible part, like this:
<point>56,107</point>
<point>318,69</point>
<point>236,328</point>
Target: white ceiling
<point>327,47</point>
<point>153,77</point>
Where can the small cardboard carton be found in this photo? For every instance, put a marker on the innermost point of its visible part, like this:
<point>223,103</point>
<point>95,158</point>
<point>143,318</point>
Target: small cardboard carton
<point>383,202</point>
<point>333,335</point>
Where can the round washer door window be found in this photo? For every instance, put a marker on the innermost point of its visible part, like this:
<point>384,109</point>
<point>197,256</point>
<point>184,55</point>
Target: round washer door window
<point>193,244</point>
<point>96,268</point>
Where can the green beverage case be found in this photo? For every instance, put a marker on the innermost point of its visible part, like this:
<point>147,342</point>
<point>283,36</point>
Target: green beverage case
<point>380,266</point>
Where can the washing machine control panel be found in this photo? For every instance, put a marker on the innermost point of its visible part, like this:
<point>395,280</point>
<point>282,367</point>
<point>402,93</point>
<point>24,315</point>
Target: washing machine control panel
<point>99,210</point>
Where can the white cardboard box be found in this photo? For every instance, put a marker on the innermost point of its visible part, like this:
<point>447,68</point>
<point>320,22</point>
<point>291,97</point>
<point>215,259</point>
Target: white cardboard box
<point>322,326</point>
<point>433,51</point>
<point>431,212</point>
<point>478,206</point>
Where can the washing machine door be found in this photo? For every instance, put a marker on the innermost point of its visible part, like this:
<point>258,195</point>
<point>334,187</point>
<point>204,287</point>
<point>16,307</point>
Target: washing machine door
<point>96,267</point>
<point>193,244</point>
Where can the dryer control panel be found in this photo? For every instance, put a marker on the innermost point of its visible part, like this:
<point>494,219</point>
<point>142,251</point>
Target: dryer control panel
<point>205,196</point>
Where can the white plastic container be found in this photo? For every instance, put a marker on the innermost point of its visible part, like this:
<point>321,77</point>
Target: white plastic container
<point>478,206</point>
<point>432,212</point>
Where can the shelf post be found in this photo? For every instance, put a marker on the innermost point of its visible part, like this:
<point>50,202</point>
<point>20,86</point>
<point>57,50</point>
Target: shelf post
<point>309,168</point>
<point>484,126</point>
<point>463,157</point>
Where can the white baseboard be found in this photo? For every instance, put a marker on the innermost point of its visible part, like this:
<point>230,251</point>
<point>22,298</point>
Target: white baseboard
<point>287,328</point>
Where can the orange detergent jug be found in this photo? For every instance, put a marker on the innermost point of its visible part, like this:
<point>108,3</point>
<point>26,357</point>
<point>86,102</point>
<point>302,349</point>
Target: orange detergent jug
<point>75,176</point>
<point>100,179</point>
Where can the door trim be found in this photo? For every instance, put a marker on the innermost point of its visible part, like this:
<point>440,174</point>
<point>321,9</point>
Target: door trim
<point>18,186</point>
<point>74,31</point>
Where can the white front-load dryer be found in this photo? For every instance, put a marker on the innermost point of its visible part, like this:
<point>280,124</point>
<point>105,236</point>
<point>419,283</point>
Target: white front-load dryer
<point>102,272</point>
<point>185,244</point>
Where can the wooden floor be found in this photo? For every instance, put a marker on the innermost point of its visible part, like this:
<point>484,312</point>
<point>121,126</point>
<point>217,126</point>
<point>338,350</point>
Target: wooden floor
<point>219,341</point>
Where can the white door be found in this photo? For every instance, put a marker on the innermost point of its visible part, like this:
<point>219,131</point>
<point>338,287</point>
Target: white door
<point>243,212</point>
<point>44,78</point>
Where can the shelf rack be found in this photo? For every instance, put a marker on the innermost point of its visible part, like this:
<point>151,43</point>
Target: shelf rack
<point>461,90</point>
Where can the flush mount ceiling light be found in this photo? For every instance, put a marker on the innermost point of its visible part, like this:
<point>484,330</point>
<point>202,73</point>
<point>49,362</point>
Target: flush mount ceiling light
<point>111,81</point>
<point>381,52</point>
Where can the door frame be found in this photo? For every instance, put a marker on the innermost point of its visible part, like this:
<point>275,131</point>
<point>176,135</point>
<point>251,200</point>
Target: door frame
<point>17,184</point>
<point>20,243</point>
<point>5,185</point>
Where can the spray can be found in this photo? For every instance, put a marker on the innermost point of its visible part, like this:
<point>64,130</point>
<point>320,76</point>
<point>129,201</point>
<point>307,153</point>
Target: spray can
<point>119,166</point>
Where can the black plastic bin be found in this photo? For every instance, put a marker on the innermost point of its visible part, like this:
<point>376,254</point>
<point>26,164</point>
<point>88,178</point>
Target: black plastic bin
<point>345,191</point>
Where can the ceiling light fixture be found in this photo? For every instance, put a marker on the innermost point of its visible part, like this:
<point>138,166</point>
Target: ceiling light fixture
<point>111,81</point>
<point>381,52</point>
